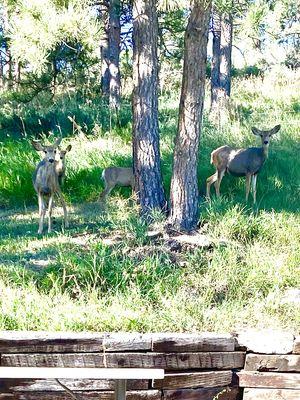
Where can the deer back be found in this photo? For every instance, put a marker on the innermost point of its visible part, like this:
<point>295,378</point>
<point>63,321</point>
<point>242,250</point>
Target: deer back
<point>246,161</point>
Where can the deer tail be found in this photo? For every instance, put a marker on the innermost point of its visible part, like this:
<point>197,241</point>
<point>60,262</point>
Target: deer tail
<point>213,157</point>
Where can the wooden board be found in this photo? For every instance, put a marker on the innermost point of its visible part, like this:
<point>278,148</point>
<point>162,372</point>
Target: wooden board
<point>265,342</point>
<point>275,363</point>
<point>65,342</point>
<point>80,373</point>
<point>296,348</point>
<point>131,395</point>
<point>171,361</point>
<point>202,394</point>
<point>274,380</point>
<point>194,380</point>
<point>50,385</point>
<point>271,394</point>
<point>192,343</point>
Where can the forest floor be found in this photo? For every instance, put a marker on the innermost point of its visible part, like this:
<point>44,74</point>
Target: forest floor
<point>107,272</point>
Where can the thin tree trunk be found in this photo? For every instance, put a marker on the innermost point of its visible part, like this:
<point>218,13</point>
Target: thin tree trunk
<point>226,50</point>
<point>184,184</point>
<point>146,155</point>
<point>104,50</point>
<point>114,48</point>
<point>216,57</point>
<point>10,81</point>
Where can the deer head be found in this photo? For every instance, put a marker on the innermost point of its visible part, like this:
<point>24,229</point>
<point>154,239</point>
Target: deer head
<point>265,136</point>
<point>49,151</point>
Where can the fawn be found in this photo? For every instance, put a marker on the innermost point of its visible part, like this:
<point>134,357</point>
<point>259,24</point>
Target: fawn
<point>47,177</point>
<point>240,162</point>
<point>113,176</point>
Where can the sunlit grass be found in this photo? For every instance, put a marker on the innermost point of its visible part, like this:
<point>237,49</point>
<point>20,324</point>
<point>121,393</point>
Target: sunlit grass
<point>104,273</point>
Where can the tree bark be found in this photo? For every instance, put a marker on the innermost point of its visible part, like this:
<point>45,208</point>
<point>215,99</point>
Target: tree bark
<point>104,49</point>
<point>184,184</point>
<point>226,50</point>
<point>216,57</point>
<point>146,155</point>
<point>114,57</point>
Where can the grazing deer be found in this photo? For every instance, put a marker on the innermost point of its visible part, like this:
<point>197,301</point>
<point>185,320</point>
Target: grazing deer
<point>113,176</point>
<point>240,162</point>
<point>46,181</point>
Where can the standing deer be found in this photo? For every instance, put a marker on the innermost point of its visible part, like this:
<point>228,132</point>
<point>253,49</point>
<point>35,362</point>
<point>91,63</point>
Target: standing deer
<point>240,162</point>
<point>113,176</point>
<point>60,164</point>
<point>46,181</point>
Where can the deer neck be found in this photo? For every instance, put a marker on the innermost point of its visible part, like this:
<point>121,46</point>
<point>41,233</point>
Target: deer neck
<point>265,151</point>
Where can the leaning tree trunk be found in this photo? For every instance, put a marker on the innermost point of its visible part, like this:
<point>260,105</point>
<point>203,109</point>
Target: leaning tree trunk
<point>146,156</point>
<point>216,56</point>
<point>184,184</point>
<point>226,50</point>
<point>114,56</point>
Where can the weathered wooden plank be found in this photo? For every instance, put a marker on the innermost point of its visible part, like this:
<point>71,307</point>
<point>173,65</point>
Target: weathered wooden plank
<point>274,380</point>
<point>50,385</point>
<point>131,395</point>
<point>203,394</point>
<point>192,343</point>
<point>193,380</point>
<point>271,394</point>
<point>65,342</point>
<point>169,361</point>
<point>273,363</point>
<point>296,347</point>
<point>265,342</point>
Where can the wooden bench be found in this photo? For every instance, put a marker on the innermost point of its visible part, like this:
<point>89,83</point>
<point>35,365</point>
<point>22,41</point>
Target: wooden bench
<point>119,375</point>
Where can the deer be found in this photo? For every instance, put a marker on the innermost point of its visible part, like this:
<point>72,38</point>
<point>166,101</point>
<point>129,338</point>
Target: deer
<point>60,164</point>
<point>46,181</point>
<point>113,176</point>
<point>240,162</point>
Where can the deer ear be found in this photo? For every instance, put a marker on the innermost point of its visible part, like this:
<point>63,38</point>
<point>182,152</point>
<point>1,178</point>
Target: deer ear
<point>256,131</point>
<point>37,145</point>
<point>57,141</point>
<point>275,130</point>
<point>68,148</point>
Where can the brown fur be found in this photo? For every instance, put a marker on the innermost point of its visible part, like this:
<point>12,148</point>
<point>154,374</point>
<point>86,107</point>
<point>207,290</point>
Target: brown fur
<point>46,181</point>
<point>240,162</point>
<point>114,176</point>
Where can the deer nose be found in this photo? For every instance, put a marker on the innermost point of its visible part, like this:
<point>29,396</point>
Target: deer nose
<point>51,160</point>
<point>266,142</point>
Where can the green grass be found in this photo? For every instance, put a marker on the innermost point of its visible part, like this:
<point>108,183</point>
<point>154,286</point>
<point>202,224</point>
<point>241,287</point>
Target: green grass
<point>104,273</point>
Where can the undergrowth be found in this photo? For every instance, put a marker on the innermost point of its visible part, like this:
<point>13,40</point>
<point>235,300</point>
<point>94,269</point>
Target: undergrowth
<point>105,273</point>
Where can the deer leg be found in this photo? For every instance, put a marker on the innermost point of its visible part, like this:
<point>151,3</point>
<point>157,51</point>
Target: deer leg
<point>103,195</point>
<point>209,181</point>
<point>50,206</point>
<point>64,206</point>
<point>248,181</point>
<point>254,179</point>
<point>42,211</point>
<point>219,180</point>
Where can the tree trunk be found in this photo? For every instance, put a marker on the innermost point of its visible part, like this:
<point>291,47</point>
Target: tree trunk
<point>146,155</point>
<point>114,49</point>
<point>184,184</point>
<point>216,57</point>
<point>104,50</point>
<point>226,50</point>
